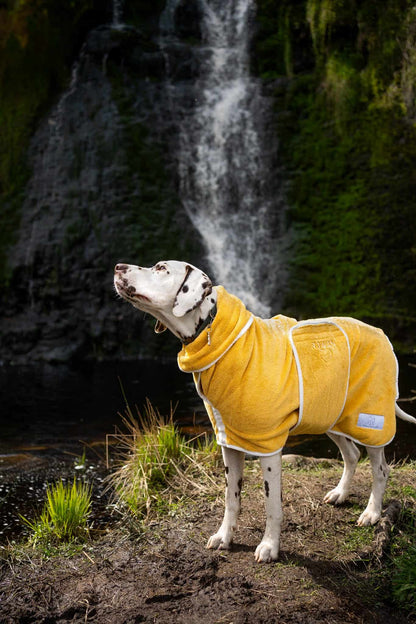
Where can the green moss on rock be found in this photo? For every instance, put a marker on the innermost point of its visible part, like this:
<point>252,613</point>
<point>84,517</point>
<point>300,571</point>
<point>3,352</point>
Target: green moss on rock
<point>348,138</point>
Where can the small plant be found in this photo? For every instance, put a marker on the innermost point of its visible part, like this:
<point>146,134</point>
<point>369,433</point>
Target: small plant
<point>65,514</point>
<point>156,464</point>
<point>358,539</point>
<point>403,579</point>
<point>80,462</point>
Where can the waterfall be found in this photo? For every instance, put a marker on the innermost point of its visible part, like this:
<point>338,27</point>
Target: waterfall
<point>117,10</point>
<point>226,155</point>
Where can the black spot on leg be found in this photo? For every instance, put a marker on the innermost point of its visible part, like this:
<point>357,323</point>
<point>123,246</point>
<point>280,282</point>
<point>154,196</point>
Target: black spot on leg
<point>269,469</point>
<point>382,470</point>
<point>266,489</point>
<point>185,288</point>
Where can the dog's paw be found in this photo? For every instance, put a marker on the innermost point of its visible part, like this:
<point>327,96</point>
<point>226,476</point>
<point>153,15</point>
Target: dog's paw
<point>219,541</point>
<point>267,551</point>
<point>336,496</point>
<point>368,517</point>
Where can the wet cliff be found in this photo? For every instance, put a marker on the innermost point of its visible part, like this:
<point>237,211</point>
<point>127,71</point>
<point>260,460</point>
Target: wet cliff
<point>100,189</point>
<point>348,140</point>
<point>89,169</point>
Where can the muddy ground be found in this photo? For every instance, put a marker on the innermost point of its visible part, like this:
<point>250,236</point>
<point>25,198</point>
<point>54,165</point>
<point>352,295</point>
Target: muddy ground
<point>328,569</point>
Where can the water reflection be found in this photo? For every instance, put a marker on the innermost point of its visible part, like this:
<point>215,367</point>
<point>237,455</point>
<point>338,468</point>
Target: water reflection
<point>56,407</point>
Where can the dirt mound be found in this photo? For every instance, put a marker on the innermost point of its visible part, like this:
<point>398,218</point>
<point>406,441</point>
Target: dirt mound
<point>327,571</point>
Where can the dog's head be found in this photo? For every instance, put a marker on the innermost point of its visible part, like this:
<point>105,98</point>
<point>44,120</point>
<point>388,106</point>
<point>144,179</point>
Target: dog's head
<point>170,288</point>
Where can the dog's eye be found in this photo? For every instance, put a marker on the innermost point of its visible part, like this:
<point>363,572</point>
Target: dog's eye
<point>160,267</point>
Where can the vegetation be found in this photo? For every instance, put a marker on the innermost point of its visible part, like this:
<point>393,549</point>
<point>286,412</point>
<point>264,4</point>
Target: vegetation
<point>38,41</point>
<point>157,467</point>
<point>403,556</point>
<point>64,517</point>
<point>348,137</point>
<point>404,579</point>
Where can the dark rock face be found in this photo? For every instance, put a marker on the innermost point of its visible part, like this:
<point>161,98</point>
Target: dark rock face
<point>188,19</point>
<point>102,191</point>
<point>108,164</point>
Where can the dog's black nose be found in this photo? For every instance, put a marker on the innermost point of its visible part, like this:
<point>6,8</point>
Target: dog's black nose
<point>121,267</point>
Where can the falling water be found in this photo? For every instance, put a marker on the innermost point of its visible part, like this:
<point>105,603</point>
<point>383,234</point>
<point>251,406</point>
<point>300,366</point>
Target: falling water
<point>226,155</point>
<point>117,7</point>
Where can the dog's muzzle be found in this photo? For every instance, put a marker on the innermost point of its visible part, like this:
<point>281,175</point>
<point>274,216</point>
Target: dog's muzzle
<point>123,287</point>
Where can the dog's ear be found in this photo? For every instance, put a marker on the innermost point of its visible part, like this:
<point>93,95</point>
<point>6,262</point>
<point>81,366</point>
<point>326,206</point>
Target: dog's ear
<point>194,288</point>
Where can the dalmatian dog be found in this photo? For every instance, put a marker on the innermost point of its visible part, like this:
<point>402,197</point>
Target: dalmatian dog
<point>182,299</point>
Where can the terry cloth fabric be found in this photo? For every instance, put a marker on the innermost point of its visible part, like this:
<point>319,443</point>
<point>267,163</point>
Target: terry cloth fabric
<point>264,379</point>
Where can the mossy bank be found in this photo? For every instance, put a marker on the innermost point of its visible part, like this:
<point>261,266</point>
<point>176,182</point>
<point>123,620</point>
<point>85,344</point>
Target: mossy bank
<point>346,118</point>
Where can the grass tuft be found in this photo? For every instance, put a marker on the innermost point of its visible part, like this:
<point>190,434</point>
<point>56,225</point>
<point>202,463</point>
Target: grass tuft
<point>404,580</point>
<point>403,561</point>
<point>65,514</point>
<point>157,466</point>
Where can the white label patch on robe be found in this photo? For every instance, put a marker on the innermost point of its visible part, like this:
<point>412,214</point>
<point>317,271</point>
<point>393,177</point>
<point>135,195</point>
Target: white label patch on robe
<point>370,421</point>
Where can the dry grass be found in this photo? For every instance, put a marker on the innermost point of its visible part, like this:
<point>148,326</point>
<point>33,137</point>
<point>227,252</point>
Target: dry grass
<point>156,468</point>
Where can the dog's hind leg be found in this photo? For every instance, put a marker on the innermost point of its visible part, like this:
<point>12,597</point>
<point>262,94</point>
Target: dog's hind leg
<point>350,455</point>
<point>380,470</point>
<point>234,466</point>
<point>268,549</point>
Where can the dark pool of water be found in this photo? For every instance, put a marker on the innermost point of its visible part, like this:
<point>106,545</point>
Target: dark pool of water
<point>58,408</point>
<point>49,413</point>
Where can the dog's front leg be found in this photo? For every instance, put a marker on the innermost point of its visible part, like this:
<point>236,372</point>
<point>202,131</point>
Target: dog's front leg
<point>234,465</point>
<point>268,549</point>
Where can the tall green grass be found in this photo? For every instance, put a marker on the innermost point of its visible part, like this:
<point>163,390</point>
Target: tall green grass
<point>403,562</point>
<point>157,466</point>
<point>404,580</point>
<point>64,516</point>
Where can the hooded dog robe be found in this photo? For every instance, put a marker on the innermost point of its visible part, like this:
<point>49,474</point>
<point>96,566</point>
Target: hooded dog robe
<point>264,379</point>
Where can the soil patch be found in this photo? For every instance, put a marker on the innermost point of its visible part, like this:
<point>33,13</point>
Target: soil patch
<point>327,571</point>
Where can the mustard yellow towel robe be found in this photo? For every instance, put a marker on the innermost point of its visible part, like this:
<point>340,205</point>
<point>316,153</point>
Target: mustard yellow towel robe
<point>264,379</point>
